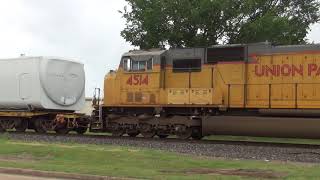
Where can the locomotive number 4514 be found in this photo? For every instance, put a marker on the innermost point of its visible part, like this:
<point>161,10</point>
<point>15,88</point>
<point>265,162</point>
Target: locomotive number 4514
<point>138,80</point>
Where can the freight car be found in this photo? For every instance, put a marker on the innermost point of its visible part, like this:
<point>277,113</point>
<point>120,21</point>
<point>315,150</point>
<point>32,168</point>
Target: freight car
<point>42,93</point>
<point>246,89</point>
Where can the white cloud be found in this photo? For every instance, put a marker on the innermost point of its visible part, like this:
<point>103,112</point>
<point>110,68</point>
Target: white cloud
<point>88,31</point>
<point>314,35</point>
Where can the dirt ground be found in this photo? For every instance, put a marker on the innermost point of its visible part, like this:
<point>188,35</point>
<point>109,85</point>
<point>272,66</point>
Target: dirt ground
<point>20,177</point>
<point>254,173</point>
<point>29,174</point>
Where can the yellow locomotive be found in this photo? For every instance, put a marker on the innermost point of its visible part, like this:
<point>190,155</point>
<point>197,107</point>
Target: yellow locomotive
<point>253,89</point>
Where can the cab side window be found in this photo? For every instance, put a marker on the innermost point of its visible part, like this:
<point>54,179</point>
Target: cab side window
<point>135,66</point>
<point>126,62</point>
<point>150,64</point>
<point>131,65</point>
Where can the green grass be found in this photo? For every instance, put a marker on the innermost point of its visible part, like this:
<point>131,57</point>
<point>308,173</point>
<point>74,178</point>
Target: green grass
<point>133,162</point>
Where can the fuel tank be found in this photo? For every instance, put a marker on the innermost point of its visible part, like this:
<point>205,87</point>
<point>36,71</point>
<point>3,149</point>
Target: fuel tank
<point>291,127</point>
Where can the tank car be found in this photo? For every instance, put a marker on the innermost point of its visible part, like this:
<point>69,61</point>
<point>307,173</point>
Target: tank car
<point>42,93</point>
<point>242,89</point>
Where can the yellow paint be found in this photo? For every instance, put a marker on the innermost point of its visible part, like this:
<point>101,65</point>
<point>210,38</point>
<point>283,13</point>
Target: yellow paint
<point>224,85</point>
<point>20,114</point>
<point>178,96</point>
<point>201,96</point>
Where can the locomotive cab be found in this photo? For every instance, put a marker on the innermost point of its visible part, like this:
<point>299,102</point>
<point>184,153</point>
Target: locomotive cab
<point>138,80</point>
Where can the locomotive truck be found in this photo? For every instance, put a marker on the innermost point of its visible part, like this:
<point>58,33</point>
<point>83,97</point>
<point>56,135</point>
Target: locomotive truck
<point>42,93</point>
<point>245,89</point>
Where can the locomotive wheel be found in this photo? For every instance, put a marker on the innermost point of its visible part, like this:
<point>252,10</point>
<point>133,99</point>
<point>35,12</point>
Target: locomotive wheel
<point>148,134</point>
<point>197,135</point>
<point>81,130</point>
<point>21,125</point>
<point>41,125</point>
<point>162,136</point>
<point>185,134</point>
<point>117,133</point>
<point>133,134</point>
<point>62,131</point>
<point>147,131</point>
<point>117,130</point>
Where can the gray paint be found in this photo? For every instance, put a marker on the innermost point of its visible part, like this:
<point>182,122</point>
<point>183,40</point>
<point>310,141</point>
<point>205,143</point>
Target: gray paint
<point>143,55</point>
<point>267,48</point>
<point>187,53</point>
<point>200,53</point>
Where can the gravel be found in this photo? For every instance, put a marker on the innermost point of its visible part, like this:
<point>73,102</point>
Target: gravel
<point>253,151</point>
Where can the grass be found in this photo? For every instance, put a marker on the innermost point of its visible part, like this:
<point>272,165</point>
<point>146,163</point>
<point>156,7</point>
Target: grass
<point>134,162</point>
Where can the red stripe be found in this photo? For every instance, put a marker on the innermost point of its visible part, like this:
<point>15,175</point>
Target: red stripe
<point>286,53</point>
<point>238,62</point>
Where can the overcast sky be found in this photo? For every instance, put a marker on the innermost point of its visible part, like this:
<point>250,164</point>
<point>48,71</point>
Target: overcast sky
<point>85,30</point>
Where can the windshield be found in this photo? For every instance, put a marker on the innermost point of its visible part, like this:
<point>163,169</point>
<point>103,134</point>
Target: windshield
<point>137,65</point>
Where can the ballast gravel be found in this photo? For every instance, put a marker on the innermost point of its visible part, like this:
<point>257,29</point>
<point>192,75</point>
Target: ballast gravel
<point>211,149</point>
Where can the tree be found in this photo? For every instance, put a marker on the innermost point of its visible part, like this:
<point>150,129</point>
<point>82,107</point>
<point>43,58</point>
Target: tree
<point>189,23</point>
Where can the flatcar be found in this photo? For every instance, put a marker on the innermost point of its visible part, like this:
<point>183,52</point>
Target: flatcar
<point>42,93</point>
<point>242,89</point>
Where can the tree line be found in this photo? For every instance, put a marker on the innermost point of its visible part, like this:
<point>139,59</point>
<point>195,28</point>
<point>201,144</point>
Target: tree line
<point>194,23</point>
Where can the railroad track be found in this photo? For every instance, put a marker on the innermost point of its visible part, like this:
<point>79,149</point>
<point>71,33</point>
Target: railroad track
<point>266,151</point>
<point>172,140</point>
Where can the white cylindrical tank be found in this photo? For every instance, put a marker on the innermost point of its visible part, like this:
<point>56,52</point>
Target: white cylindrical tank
<point>41,83</point>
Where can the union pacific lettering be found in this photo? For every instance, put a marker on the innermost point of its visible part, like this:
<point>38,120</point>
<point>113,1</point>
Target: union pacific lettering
<point>287,70</point>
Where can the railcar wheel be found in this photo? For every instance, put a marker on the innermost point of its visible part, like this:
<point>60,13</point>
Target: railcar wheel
<point>184,134</point>
<point>81,130</point>
<point>7,124</point>
<point>2,130</point>
<point>42,125</point>
<point>21,125</point>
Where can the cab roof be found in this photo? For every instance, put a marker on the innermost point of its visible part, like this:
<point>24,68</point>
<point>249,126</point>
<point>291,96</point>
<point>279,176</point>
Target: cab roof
<point>151,52</point>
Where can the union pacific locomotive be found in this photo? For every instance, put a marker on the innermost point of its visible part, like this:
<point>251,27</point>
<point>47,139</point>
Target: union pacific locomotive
<point>252,89</point>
